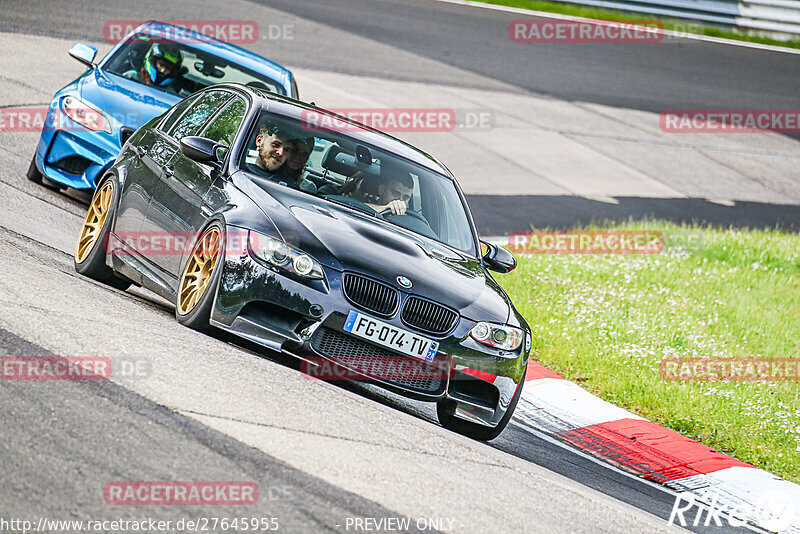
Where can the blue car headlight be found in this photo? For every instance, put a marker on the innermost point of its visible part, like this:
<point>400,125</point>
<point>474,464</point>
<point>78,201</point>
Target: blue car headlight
<point>278,253</point>
<point>86,115</point>
<point>499,336</point>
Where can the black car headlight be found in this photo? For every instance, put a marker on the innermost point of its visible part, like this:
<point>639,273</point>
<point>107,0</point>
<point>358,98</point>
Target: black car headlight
<point>499,336</point>
<point>277,253</point>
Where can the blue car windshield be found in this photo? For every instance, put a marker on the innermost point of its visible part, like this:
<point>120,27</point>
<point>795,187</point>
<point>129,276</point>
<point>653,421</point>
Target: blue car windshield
<point>346,171</point>
<point>196,69</point>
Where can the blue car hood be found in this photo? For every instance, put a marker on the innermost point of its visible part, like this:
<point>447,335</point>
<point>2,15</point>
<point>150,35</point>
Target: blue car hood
<point>130,103</point>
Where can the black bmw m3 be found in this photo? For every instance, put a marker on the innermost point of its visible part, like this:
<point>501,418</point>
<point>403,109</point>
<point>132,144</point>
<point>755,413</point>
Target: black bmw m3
<point>337,244</point>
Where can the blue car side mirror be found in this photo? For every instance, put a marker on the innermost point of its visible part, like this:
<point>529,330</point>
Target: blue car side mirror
<point>84,53</point>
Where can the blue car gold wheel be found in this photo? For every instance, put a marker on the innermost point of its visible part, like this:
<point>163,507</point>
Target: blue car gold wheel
<point>90,250</point>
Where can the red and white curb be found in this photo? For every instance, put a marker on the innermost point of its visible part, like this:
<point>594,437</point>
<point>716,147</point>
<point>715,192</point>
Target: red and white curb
<point>559,407</point>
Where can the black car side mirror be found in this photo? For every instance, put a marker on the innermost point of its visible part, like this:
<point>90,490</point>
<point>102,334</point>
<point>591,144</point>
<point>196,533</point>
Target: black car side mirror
<point>201,149</point>
<point>498,259</point>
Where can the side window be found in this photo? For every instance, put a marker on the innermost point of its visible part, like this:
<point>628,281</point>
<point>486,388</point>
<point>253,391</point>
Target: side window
<point>200,110</point>
<point>225,125</point>
<point>176,113</point>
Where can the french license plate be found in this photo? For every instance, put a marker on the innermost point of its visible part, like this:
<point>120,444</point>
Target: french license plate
<point>391,337</point>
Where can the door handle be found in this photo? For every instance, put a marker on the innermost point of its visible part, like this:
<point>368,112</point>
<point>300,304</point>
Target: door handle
<point>169,171</point>
<point>140,150</point>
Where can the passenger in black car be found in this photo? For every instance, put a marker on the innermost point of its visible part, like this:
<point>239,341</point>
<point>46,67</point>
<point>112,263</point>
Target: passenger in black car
<point>296,163</point>
<point>273,149</point>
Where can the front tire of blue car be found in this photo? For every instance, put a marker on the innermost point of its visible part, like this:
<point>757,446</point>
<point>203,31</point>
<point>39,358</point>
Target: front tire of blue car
<point>34,174</point>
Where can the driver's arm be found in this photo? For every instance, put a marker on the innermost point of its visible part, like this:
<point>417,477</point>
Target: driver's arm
<point>398,207</point>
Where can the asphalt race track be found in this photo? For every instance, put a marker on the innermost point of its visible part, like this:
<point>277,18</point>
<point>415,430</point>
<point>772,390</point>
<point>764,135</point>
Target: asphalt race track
<point>203,408</point>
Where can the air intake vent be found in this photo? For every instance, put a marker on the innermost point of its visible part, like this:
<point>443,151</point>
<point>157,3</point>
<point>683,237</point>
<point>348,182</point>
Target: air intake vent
<point>373,296</point>
<point>380,364</point>
<point>428,316</point>
<point>76,165</point>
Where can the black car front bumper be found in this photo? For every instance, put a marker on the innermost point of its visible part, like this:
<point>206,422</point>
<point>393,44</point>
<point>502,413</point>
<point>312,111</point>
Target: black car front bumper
<point>305,318</point>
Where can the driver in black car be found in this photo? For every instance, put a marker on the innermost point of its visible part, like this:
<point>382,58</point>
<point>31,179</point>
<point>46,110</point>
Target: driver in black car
<point>393,191</point>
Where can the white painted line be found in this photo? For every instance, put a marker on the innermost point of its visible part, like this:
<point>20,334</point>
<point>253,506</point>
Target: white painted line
<point>496,240</point>
<point>558,405</point>
<point>578,452</point>
<point>757,491</point>
<point>670,33</point>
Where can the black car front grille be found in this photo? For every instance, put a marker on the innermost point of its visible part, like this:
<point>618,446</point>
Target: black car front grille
<point>428,316</point>
<point>379,363</point>
<point>76,165</point>
<point>373,296</point>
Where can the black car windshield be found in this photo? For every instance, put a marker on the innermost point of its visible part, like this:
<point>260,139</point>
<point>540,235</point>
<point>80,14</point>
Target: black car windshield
<point>193,70</point>
<point>346,171</point>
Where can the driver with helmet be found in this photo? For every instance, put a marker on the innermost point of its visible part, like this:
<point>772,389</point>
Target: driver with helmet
<point>161,68</point>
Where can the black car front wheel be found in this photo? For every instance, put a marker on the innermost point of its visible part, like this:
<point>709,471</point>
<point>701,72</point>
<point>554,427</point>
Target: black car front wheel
<point>90,251</point>
<point>445,411</point>
<point>199,279</point>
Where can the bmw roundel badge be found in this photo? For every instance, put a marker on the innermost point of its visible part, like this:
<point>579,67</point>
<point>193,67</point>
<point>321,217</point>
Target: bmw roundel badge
<point>403,281</point>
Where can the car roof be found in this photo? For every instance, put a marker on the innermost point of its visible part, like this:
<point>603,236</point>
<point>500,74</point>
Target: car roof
<point>295,108</point>
<point>226,51</point>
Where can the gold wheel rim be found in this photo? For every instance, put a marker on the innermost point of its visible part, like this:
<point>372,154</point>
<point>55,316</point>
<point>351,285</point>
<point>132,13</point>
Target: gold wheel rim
<point>198,271</point>
<point>94,221</point>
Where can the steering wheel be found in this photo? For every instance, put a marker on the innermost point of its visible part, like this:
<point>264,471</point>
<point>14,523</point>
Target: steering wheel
<point>413,213</point>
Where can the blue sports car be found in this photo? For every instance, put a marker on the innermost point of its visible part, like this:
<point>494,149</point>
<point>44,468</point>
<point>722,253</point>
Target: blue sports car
<point>144,75</point>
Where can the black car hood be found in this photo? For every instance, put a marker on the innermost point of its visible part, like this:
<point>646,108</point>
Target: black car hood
<point>347,241</point>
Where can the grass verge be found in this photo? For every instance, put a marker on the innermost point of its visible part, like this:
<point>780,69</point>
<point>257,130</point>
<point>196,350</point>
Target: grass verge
<point>622,16</point>
<point>607,321</point>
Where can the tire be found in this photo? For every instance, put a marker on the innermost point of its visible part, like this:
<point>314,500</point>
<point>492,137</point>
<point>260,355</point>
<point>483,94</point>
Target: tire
<point>199,279</point>
<point>33,174</point>
<point>90,250</point>
<point>36,176</point>
<point>445,409</point>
